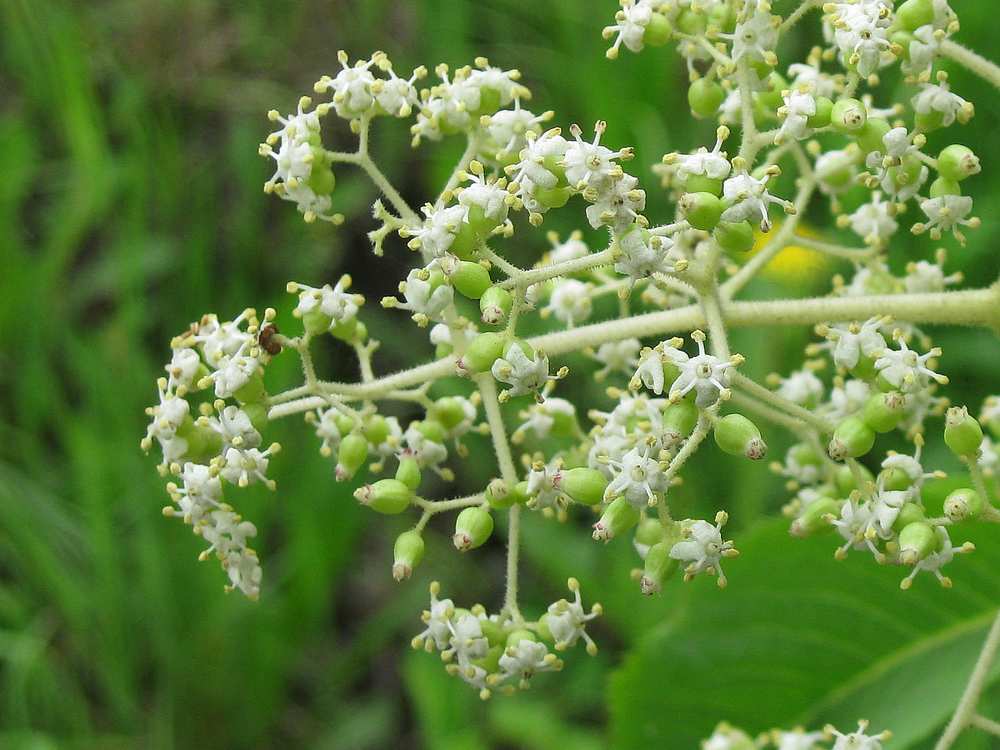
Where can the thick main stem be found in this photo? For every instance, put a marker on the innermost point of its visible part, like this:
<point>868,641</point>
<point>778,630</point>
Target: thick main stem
<point>973,690</point>
<point>985,69</point>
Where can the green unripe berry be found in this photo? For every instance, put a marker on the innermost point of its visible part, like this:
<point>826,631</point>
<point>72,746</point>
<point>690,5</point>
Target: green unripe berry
<point>350,331</point>
<point>203,442</point>
<point>894,479</point>
<point>483,351</point>
<point>495,304</point>
<point>845,481</point>
<point>884,411</point>
<point>407,553</point>
<point>962,433</point>
<point>944,186</point>
<point>253,392</point>
<point>692,22</point>
<point>408,472</point>
<point>848,115</point>
<point>956,162</point>
<point>679,419</point>
<point>702,210</point>
<point>824,110</point>
<point>657,31</point>
<point>448,411</point>
<point>556,197</point>
<point>649,532</point>
<point>387,496</point>
<point>376,429</point>
<point>916,541</point>
<point>699,183</point>
<point>258,415</point>
<point>909,513</point>
<point>351,454</point>
<point>913,14</point>
<point>617,518</point>
<point>316,322</point>
<point>659,566</point>
<point>705,97</point>
<point>869,137</point>
<point>851,439</point>
<point>517,636</point>
<point>473,527</point>
<point>771,97</point>
<point>734,237</point>
<point>582,485</point>
<point>738,436</point>
<point>431,429</point>
<point>816,517</point>
<point>501,496</point>
<point>964,505</point>
<point>470,279</point>
<point>345,424</point>
<point>929,121</point>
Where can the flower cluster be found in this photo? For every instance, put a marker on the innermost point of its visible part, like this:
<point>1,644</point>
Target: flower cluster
<point>728,737</point>
<point>872,370</point>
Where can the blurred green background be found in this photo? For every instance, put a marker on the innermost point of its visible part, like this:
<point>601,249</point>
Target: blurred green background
<point>131,202</point>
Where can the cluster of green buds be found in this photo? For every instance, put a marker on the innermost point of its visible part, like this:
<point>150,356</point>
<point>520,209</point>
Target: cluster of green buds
<point>396,437</point>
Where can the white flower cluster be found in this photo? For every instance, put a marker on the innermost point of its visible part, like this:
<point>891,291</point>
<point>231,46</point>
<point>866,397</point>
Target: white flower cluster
<point>499,651</point>
<point>728,737</point>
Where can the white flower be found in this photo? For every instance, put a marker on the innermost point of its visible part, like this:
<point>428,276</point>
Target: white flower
<point>435,236</point>
<point>704,373</point>
<point>630,26</point>
<point>852,341</point>
<point>574,247</point>
<point>639,478</point>
<point>754,37</point>
<point>467,639</point>
<point>236,371</point>
<point>332,301</point>
<point>947,213</point>
<point>704,163</point>
<point>221,340</point>
<point>847,398</point>
<point>798,739</point>
<point>617,204</point>
<point>924,276</point>
<point>427,452</point>
<point>437,618</point>
<point>858,740</point>
<point>650,371</point>
<point>243,467</point>
<point>542,490</point>
<point>726,737</point>
<point>183,368</point>
<point>352,87</point>
<point>591,166</point>
<point>526,658</point>
<point>798,107</point>
<point>541,418</point>
<point>936,560</point>
<point>811,78</point>
<point>524,373</point>
<point>485,197</point>
<point>886,505</point>
<point>873,221</point>
<point>539,157</point>
<point>567,621</point>
<point>327,430</point>
<point>508,130</point>
<point>906,370</point>
<point>802,387</point>
<point>617,356</point>
<point>244,571</point>
<point>643,254</point>
<point>426,297</point>
<point>855,520</point>
<point>862,33</point>
<point>703,548</point>
<point>922,50</point>
<point>938,99</point>
<point>200,493</point>
<point>236,429</point>
<point>747,198</point>
<point>570,302</point>
<point>167,416</point>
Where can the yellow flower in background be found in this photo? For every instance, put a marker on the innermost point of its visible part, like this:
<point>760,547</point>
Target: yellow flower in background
<point>794,263</point>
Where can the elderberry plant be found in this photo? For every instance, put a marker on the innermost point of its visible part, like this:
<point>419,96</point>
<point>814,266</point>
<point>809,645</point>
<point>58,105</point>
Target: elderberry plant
<point>824,117</point>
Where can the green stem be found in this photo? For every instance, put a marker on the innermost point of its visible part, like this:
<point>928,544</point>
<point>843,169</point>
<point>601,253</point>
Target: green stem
<point>775,401</point>
<point>966,709</point>
<point>985,69</point>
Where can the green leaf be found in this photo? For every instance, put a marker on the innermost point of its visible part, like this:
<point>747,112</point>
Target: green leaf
<point>445,708</point>
<point>799,638</point>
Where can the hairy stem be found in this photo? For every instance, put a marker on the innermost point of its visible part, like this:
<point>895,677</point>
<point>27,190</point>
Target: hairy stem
<point>985,69</point>
<point>966,710</point>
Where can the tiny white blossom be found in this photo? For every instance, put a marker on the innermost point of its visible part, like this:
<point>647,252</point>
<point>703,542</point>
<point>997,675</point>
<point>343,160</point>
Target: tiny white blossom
<point>703,548</point>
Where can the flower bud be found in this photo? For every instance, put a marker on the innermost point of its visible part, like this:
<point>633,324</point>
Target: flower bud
<point>815,518</point>
<point>734,237</point>
<point>956,162</point>
<point>409,471</point>
<point>916,541</point>
<point>702,210</point>
<point>582,485</point>
<point>884,411</point>
<point>851,439</point>
<point>495,304</point>
<point>618,517</point>
<point>388,496</point>
<point>648,532</point>
<point>738,436</point>
<point>376,429</point>
<point>705,97</point>
<point>962,433</point>
<point>483,351</point>
<point>963,505</point>
<point>848,115</point>
<point>407,553</point>
<point>473,527</point>
<point>913,14</point>
<point>351,455</point>
<point>470,279</point>
<point>659,567</point>
<point>501,496</point>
